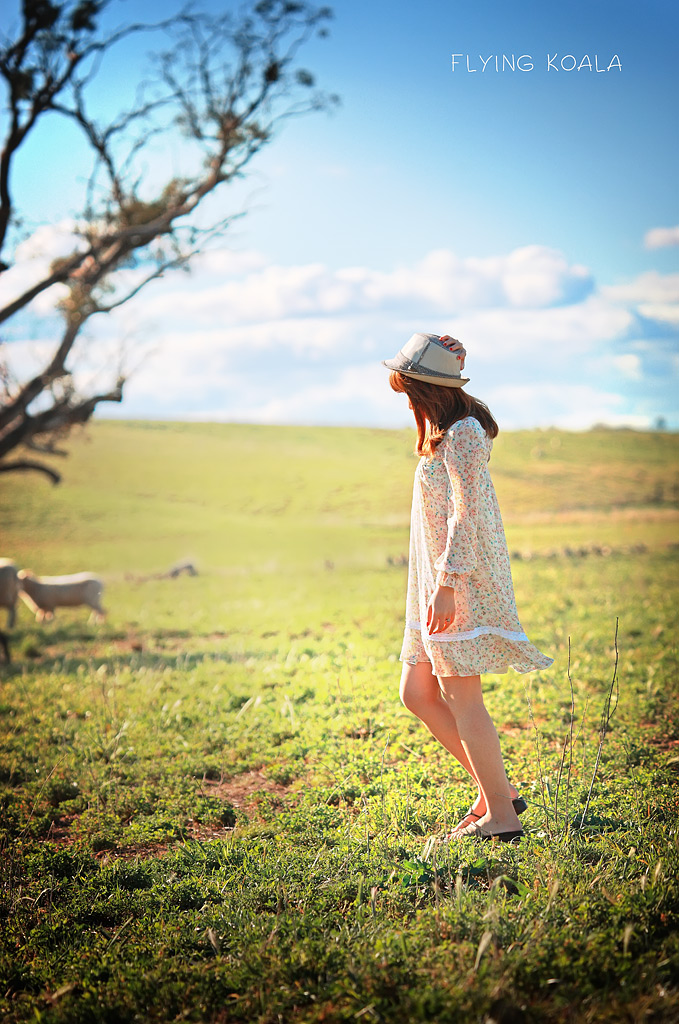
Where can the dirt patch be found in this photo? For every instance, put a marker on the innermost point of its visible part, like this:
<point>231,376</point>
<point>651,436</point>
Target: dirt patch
<point>243,790</point>
<point>194,830</point>
<point>59,831</point>
<point>668,744</point>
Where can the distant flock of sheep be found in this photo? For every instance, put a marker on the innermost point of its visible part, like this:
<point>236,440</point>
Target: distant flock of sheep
<point>43,594</point>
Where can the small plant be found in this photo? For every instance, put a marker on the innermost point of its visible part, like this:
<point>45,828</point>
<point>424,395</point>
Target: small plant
<point>550,804</point>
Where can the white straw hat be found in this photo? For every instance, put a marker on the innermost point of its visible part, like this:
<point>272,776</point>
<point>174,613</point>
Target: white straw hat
<point>425,357</point>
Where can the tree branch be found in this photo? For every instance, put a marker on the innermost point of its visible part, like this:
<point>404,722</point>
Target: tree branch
<point>226,82</point>
<point>30,391</point>
<point>45,449</point>
<point>58,418</point>
<point>28,465</point>
<point>35,52</point>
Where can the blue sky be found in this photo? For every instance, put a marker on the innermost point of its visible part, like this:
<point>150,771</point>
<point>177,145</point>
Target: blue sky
<point>512,209</point>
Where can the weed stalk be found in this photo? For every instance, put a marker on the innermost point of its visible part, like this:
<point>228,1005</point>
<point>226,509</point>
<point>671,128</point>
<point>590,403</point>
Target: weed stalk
<point>537,751</point>
<point>382,777</point>
<point>606,716</point>
<point>567,746</point>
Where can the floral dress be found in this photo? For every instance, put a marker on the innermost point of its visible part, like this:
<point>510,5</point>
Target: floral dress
<point>457,540</point>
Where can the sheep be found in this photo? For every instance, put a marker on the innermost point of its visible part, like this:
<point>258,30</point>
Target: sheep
<point>9,589</point>
<point>43,594</point>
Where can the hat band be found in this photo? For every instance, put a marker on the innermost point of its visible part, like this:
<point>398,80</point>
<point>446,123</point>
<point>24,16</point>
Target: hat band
<point>407,364</point>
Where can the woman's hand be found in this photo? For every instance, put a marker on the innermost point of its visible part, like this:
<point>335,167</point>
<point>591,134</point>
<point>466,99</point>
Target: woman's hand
<point>453,345</point>
<point>441,610</point>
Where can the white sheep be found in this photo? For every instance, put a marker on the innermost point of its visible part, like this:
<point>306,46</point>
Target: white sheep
<point>9,589</point>
<point>43,594</point>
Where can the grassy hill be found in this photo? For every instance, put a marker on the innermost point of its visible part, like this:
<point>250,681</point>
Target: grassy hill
<point>140,493</point>
<point>214,806</point>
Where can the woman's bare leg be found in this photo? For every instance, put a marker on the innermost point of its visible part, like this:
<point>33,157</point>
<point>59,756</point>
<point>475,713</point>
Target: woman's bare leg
<point>481,743</point>
<point>422,694</point>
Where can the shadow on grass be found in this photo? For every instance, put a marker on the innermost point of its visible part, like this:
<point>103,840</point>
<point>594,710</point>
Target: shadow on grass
<point>594,824</point>
<point>53,650</point>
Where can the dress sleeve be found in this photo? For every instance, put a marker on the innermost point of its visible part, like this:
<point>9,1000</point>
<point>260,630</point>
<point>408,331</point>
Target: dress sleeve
<point>464,456</point>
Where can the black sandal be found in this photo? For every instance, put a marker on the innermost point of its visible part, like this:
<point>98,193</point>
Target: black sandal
<point>480,833</point>
<point>519,805</point>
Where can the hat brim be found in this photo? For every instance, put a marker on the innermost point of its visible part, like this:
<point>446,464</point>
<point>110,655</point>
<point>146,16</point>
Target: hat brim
<point>430,376</point>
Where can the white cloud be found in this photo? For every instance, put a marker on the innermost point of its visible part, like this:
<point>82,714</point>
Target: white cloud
<point>239,288</point>
<point>629,364</point>
<point>570,404</point>
<point>333,399</point>
<point>536,276</point>
<point>32,260</point>
<point>661,312</point>
<point>659,238</point>
<point>228,262</point>
<point>439,284</point>
<point>335,170</point>
<point>241,339</point>
<point>27,356</point>
<point>48,242</point>
<point>649,287</point>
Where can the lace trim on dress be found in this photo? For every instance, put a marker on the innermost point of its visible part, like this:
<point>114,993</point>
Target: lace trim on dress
<point>471,634</point>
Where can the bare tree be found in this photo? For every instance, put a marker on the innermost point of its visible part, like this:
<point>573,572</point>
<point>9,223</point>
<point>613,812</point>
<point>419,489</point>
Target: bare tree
<point>220,83</point>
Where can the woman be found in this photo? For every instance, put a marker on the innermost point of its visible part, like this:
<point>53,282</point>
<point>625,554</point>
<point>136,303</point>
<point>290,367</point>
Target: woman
<point>461,617</point>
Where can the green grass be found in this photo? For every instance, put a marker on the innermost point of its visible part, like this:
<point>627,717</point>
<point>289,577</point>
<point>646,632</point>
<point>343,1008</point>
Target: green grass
<point>214,806</point>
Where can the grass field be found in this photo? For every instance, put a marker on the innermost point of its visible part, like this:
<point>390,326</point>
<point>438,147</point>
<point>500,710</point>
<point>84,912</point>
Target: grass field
<point>214,807</point>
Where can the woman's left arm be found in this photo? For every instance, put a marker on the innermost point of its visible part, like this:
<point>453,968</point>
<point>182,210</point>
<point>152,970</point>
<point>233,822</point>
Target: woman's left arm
<point>464,457</point>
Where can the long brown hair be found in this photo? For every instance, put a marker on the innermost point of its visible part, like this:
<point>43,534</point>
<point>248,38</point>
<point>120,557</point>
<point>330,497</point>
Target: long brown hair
<point>437,407</point>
